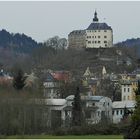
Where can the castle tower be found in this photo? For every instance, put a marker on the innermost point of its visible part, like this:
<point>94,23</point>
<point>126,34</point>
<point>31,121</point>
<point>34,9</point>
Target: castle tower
<point>95,19</point>
<point>99,35</point>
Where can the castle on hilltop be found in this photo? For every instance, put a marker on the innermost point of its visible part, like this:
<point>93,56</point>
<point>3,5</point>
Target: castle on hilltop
<point>97,35</point>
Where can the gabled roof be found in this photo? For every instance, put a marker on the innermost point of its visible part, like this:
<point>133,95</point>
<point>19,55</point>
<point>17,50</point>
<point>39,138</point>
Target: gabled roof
<point>87,72</point>
<point>99,26</point>
<point>49,78</point>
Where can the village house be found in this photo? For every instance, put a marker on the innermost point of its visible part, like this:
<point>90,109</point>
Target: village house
<point>51,86</point>
<point>95,109</point>
<point>128,84</point>
<point>90,82</point>
<point>62,76</point>
<point>118,108</point>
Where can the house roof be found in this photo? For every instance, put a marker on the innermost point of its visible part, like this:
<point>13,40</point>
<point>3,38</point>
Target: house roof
<point>77,32</point>
<point>93,98</point>
<point>99,26</point>
<point>71,97</point>
<point>49,78</point>
<point>55,102</point>
<point>123,104</point>
<point>92,81</point>
<point>87,72</point>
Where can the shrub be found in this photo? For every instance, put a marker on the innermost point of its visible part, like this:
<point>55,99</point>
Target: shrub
<point>97,129</point>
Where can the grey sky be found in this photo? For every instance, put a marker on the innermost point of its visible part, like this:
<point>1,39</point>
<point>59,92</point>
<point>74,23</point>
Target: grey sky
<point>42,20</point>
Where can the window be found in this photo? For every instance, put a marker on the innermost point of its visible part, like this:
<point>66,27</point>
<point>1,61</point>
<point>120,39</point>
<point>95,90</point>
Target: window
<point>98,36</point>
<point>95,42</point>
<point>105,30</point>
<point>93,104</point>
<point>72,103</point>
<point>128,89</point>
<point>99,41</point>
<point>92,41</point>
<point>105,41</point>
<point>108,104</point>
<point>113,112</point>
<point>95,36</point>
<point>105,45</point>
<point>92,36</point>
<point>89,42</point>
<point>98,113</point>
<point>121,112</point>
<point>95,30</point>
<point>98,30</point>
<point>117,112</point>
<point>105,36</point>
<point>124,97</point>
<point>124,89</point>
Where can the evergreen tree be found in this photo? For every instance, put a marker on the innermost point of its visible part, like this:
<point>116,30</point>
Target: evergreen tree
<point>133,131</point>
<point>19,80</point>
<point>77,115</point>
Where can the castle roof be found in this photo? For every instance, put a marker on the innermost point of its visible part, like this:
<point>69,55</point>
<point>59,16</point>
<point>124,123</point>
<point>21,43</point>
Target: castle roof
<point>99,26</point>
<point>77,32</point>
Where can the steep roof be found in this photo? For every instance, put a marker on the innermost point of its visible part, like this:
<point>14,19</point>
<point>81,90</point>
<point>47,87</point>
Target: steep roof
<point>99,26</point>
<point>49,78</point>
<point>77,32</point>
<point>87,72</point>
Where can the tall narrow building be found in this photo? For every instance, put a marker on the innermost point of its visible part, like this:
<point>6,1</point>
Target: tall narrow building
<point>99,35</point>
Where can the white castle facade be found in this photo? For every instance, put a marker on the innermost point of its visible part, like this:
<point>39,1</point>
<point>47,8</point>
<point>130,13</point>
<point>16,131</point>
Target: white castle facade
<point>97,35</point>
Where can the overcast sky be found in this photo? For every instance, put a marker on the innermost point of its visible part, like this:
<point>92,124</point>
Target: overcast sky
<point>42,20</point>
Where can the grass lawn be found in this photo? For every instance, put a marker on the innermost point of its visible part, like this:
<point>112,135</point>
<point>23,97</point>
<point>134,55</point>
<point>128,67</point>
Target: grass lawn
<point>64,137</point>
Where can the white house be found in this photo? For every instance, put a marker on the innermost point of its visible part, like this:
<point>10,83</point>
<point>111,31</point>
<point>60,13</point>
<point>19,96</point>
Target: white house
<point>118,109</point>
<point>50,86</point>
<point>99,35</point>
<point>96,108</point>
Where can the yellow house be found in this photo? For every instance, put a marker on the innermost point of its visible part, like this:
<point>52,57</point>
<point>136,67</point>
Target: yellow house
<point>128,87</point>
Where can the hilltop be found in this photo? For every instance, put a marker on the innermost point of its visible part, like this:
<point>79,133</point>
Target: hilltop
<point>18,49</point>
<point>17,42</point>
